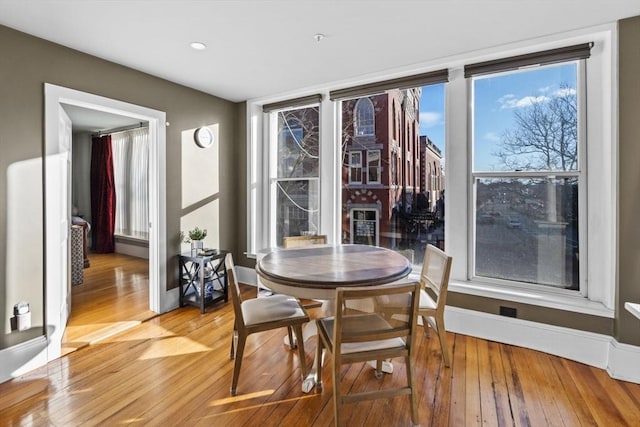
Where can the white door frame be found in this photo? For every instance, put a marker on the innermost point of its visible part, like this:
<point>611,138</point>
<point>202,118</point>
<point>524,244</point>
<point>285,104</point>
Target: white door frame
<point>159,300</point>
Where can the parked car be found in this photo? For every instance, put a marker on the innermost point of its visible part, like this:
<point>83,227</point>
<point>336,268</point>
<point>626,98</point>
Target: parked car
<point>514,223</point>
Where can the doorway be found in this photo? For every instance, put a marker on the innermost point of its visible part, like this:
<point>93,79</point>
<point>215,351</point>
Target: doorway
<point>58,202</point>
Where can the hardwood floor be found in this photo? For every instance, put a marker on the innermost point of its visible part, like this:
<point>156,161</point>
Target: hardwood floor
<point>113,297</point>
<point>174,369</point>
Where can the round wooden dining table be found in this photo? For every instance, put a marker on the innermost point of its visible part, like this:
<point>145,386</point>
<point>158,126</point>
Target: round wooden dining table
<point>314,272</point>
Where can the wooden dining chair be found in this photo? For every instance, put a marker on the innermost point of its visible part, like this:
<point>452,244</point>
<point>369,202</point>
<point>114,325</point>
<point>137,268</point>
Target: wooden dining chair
<point>354,336</point>
<point>262,314</point>
<point>434,281</point>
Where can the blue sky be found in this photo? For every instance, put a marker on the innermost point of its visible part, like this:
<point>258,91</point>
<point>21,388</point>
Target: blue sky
<point>496,98</point>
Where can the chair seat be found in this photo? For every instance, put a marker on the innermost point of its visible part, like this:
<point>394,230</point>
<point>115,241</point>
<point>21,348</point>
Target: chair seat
<point>271,309</point>
<point>364,323</point>
<point>391,301</point>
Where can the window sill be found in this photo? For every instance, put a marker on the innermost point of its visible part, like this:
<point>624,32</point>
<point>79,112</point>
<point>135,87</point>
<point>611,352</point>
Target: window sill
<point>576,304</point>
<point>633,308</point>
<point>556,301</point>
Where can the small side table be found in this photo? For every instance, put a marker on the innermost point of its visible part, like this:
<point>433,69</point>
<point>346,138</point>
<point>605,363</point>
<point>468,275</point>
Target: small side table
<point>203,279</point>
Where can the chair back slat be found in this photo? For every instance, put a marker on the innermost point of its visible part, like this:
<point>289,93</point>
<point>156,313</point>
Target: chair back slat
<point>234,289</point>
<point>302,241</point>
<point>359,321</point>
<point>436,269</point>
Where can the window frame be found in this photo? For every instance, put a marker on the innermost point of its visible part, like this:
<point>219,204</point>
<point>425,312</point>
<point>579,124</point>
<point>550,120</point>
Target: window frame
<point>272,166</point>
<point>580,172</point>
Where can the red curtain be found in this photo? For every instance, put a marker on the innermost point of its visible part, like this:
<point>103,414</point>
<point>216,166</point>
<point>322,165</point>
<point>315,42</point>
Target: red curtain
<point>103,195</point>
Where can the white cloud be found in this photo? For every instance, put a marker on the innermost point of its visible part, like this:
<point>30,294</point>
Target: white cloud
<point>491,136</point>
<point>430,118</point>
<point>564,92</point>
<point>510,101</point>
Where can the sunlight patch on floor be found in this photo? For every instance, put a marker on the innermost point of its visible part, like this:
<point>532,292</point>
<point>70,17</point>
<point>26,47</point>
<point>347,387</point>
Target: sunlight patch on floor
<point>261,405</point>
<point>234,399</point>
<point>93,333</point>
<point>173,346</point>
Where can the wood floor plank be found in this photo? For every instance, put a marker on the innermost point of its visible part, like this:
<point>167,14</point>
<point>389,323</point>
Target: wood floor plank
<point>174,369</point>
<point>457,411</point>
<point>472,409</point>
<point>500,392</point>
<point>486,383</point>
<point>516,397</point>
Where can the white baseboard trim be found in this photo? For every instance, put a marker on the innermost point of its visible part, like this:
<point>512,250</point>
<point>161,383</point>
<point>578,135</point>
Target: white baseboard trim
<point>624,362</point>
<point>621,361</point>
<point>13,358</point>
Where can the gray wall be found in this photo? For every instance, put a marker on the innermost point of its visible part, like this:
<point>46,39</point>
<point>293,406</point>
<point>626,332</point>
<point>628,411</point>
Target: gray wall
<point>627,327</point>
<point>26,63</point>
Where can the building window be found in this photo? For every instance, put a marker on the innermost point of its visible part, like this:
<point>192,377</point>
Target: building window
<point>364,118</point>
<point>527,175</point>
<point>295,192</point>
<point>364,227</point>
<point>355,167</point>
<point>373,167</point>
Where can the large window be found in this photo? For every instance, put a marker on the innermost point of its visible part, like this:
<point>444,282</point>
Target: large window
<point>523,217</point>
<point>394,206</point>
<point>527,175</point>
<point>296,182</point>
<point>131,180</point>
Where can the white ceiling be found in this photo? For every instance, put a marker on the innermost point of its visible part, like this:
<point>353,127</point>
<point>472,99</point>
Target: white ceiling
<point>258,48</point>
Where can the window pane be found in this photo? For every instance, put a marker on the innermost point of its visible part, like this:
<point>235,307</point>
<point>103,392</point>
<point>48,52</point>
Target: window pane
<point>526,120</point>
<point>373,160</point>
<point>297,208</point>
<point>355,167</point>
<point>527,230</point>
<point>298,143</point>
<point>400,203</point>
<point>364,118</point>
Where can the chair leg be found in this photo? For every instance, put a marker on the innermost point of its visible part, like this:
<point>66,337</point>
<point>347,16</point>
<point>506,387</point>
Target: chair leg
<point>412,385</point>
<point>234,344</point>
<point>337,398</point>
<point>303,362</point>
<point>292,342</point>
<point>319,362</point>
<point>425,325</point>
<point>237,363</point>
<point>378,371</point>
<point>442,335</point>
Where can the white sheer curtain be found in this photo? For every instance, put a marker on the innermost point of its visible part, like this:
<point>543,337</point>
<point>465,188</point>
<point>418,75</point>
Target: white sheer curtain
<point>131,176</point>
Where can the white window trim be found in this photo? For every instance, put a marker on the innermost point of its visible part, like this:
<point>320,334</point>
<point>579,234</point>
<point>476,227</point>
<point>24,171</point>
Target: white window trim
<point>600,276</point>
<point>602,114</point>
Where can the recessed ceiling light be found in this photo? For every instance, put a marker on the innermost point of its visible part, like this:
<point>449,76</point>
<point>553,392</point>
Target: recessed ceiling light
<point>198,45</point>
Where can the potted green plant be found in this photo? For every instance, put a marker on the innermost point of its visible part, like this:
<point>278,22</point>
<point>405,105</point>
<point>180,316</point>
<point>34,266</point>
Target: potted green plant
<point>196,238</point>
